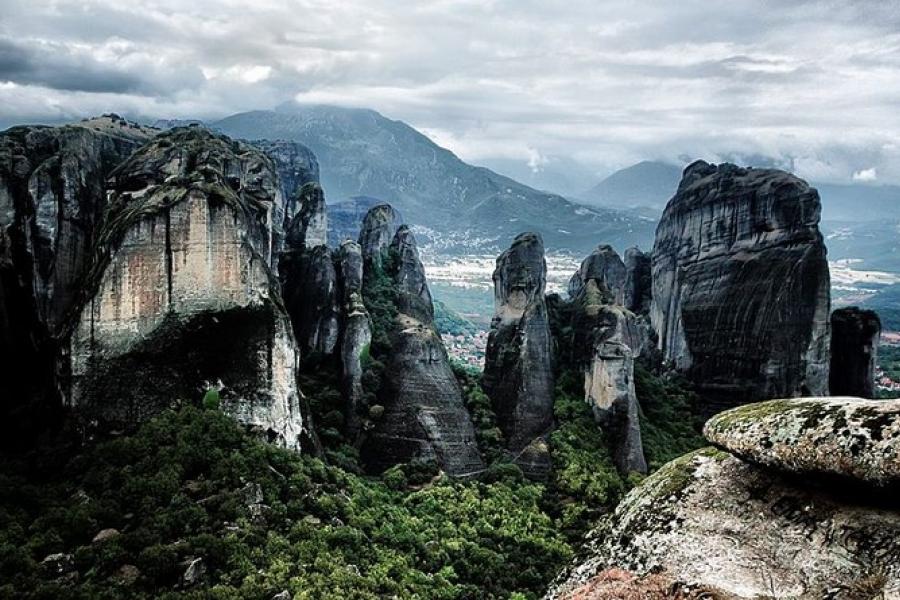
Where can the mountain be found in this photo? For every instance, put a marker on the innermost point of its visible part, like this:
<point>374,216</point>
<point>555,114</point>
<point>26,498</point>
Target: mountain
<point>645,184</point>
<point>558,174</point>
<point>455,206</point>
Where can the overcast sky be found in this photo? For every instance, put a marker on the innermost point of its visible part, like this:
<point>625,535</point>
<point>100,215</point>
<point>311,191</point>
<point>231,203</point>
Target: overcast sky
<point>816,85</point>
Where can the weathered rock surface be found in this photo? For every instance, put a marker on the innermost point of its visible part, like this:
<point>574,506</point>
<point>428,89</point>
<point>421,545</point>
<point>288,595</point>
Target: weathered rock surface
<point>310,285</point>
<point>839,436</point>
<point>638,281</point>
<point>182,291</point>
<point>741,285</point>
<point>609,388</point>
<point>854,352</point>
<point>518,372</point>
<point>606,270</point>
<point>377,231</point>
<point>356,334</point>
<point>52,198</point>
<point>424,416</point>
<point>296,165</point>
<point>309,279</point>
<point>712,520</point>
<point>415,297</point>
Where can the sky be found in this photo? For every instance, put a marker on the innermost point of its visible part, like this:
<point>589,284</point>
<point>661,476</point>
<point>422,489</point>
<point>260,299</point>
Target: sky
<point>813,86</point>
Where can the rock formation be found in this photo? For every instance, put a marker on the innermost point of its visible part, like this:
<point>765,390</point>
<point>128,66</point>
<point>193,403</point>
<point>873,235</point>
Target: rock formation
<point>182,293</point>
<point>854,352</point>
<point>308,275</point>
<point>800,519</point>
<point>52,199</point>
<point>741,286</point>
<point>606,270</point>
<point>609,388</point>
<point>296,165</point>
<point>838,436</point>
<point>638,281</point>
<point>518,371</point>
<point>356,334</point>
<point>424,415</point>
<point>377,231</point>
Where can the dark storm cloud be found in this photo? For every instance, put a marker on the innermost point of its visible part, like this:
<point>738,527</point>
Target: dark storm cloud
<point>813,84</point>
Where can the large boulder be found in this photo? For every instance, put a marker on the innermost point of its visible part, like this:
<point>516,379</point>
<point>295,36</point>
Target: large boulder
<point>182,294</point>
<point>424,416</point>
<point>709,520</point>
<point>841,437</point>
<point>854,352</point>
<point>518,371</point>
<point>52,201</point>
<point>741,285</point>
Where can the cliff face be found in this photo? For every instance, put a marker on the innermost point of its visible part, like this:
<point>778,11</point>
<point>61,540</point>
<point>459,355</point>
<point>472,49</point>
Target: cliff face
<point>518,371</point>
<point>377,231</point>
<point>308,276</point>
<point>52,198</point>
<point>355,336</point>
<point>182,293</point>
<point>854,352</point>
<point>741,285</point>
<point>606,270</point>
<point>638,281</point>
<point>424,415</point>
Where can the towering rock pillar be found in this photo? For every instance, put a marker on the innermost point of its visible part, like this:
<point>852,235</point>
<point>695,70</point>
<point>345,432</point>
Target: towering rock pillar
<point>356,334</point>
<point>854,352</point>
<point>182,294</point>
<point>638,281</point>
<point>518,371</point>
<point>308,275</point>
<point>424,415</point>
<point>741,286</point>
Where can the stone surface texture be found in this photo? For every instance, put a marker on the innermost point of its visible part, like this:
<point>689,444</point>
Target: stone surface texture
<point>854,352</point>
<point>741,285</point>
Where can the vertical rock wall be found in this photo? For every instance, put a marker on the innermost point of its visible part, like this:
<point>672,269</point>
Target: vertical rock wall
<point>741,286</point>
<point>854,352</point>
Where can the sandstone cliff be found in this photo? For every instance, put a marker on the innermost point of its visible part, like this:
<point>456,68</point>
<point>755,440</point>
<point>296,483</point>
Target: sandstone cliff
<point>424,415</point>
<point>52,199</point>
<point>377,231</point>
<point>518,370</point>
<point>741,285</point>
<point>854,352</point>
<point>356,334</point>
<point>182,294</point>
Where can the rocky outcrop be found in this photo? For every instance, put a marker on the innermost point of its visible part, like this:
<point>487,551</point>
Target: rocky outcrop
<point>518,372</point>
<point>296,166</point>
<point>710,520</point>
<point>609,388</point>
<point>606,270</point>
<point>424,415</point>
<point>52,199</point>
<point>843,437</point>
<point>741,285</point>
<point>415,297</point>
<point>356,335</point>
<point>638,281</point>
<point>854,352</point>
<point>308,276</point>
<point>182,292</point>
<point>377,231</point>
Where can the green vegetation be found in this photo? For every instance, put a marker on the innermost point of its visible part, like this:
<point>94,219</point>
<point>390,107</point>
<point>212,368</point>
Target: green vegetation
<point>450,322</point>
<point>670,421</point>
<point>889,361</point>
<point>188,485</point>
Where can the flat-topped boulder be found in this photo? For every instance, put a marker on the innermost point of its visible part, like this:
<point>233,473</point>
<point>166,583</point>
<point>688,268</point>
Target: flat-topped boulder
<point>843,436</point>
<point>711,521</point>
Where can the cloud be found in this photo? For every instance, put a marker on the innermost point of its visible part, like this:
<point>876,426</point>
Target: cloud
<point>866,175</point>
<point>814,85</point>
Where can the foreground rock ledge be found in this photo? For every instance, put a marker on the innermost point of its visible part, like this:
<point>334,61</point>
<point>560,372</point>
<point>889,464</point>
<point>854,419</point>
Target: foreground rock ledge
<point>843,436</point>
<point>709,519</point>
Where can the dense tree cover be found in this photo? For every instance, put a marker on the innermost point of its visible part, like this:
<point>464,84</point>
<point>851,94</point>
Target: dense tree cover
<point>889,361</point>
<point>192,484</point>
<point>448,321</point>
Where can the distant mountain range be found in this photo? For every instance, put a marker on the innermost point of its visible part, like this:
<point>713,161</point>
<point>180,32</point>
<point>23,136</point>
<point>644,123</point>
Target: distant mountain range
<point>647,184</point>
<point>458,207</point>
